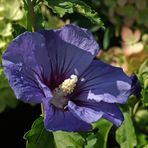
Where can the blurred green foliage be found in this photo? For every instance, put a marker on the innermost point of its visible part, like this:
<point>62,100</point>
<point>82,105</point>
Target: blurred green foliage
<point>143,77</point>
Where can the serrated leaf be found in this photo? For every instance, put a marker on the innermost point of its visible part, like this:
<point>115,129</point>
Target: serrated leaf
<point>125,134</point>
<point>61,7</point>
<point>38,136</point>
<point>68,139</point>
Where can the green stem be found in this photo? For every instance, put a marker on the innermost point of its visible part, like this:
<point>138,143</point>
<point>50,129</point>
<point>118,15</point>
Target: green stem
<point>42,110</point>
<point>31,14</point>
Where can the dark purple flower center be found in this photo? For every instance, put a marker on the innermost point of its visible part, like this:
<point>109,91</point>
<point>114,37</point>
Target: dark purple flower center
<point>60,94</point>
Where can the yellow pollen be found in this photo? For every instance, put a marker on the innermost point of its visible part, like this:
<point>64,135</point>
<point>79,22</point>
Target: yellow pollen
<point>69,84</point>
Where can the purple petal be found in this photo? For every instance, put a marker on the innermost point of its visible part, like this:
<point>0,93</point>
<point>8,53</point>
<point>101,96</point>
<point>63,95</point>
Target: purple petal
<point>92,111</point>
<point>79,37</point>
<point>136,88</point>
<point>25,63</point>
<point>55,119</point>
<point>71,50</point>
<point>102,82</point>
<point>84,113</point>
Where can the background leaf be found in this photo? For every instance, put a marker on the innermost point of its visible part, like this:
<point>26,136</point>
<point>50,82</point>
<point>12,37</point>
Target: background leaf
<point>143,77</point>
<point>7,97</point>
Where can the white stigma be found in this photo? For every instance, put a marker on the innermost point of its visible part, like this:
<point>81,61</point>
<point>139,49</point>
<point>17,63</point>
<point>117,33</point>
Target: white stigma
<point>69,84</point>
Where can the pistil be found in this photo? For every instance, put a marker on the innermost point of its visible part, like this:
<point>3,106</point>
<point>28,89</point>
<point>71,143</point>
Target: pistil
<point>60,93</point>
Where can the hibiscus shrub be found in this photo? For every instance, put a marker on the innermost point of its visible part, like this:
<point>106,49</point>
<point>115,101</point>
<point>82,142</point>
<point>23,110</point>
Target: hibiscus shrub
<point>89,79</point>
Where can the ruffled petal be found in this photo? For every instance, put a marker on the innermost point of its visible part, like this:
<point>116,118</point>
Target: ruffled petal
<point>84,113</point>
<point>55,119</point>
<point>26,63</point>
<point>71,50</point>
<point>79,37</point>
<point>92,111</point>
<point>102,82</point>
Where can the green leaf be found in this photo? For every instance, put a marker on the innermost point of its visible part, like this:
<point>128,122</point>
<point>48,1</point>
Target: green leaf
<point>38,136</point>
<point>143,77</point>
<point>2,43</point>
<point>91,140</point>
<point>143,74</point>
<point>141,117</point>
<point>146,146</point>
<point>128,11</point>
<point>141,4</point>
<point>104,127</point>
<point>5,29</point>
<point>142,139</point>
<point>107,38</point>
<point>68,140</point>
<point>17,29</point>
<point>99,136</point>
<point>61,7</point>
<point>125,134</point>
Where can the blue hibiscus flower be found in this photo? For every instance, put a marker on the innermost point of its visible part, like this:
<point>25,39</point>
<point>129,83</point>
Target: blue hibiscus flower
<point>57,68</point>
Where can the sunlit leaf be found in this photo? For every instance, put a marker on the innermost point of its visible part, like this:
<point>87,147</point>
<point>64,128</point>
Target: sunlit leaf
<point>146,146</point>
<point>5,29</point>
<point>2,43</point>
<point>61,7</point>
<point>12,9</point>
<point>52,21</point>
